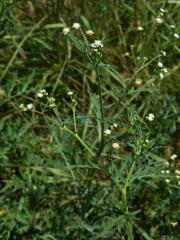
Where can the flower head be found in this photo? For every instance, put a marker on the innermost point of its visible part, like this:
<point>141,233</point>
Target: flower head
<point>173,156</point>
<point>29,106</point>
<point>167,180</point>
<point>176,35</point>
<point>150,117</point>
<point>76,26</point>
<point>89,32</point>
<point>66,30</point>
<point>97,44</point>
<point>159,20</point>
<point>107,132</point>
<point>161,75</point>
<point>42,93</point>
<point>140,28</point>
<point>160,64</point>
<point>115,146</point>
<point>70,93</point>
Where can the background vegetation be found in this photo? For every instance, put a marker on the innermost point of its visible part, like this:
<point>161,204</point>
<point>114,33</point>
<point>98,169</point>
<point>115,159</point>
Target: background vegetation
<point>50,186</point>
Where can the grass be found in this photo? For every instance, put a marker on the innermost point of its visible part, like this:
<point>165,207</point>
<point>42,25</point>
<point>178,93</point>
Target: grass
<point>60,176</point>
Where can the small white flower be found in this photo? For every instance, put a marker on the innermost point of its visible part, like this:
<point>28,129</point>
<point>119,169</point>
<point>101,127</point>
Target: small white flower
<point>173,156</point>
<point>167,171</point>
<point>176,35</point>
<point>178,182</point>
<point>29,106</point>
<point>40,95</point>
<point>159,20</point>
<point>161,75</point>
<point>174,224</point>
<point>115,145</point>
<point>166,163</point>
<point>147,140</point>
<point>66,30</point>
<point>76,26</point>
<point>115,125</point>
<point>21,106</point>
<point>107,132</point>
<point>177,176</point>
<point>163,53</point>
<point>35,187</point>
<point>162,10</point>
<point>177,172</point>
<point>140,28</point>
<point>165,70</point>
<point>70,93</point>
<point>89,32</point>
<point>167,180</point>
<point>160,64</point>
<point>150,117</point>
<point>172,26</point>
<point>162,171</point>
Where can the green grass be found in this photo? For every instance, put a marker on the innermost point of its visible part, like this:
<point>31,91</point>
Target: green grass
<point>60,178</point>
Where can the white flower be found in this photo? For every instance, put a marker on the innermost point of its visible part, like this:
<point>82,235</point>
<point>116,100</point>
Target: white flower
<point>166,163</point>
<point>177,172</point>
<point>165,70</point>
<point>160,64</point>
<point>66,30</point>
<point>163,53</point>
<point>115,145</point>
<point>115,125</point>
<point>29,106</point>
<point>173,156</point>
<point>174,224</point>
<point>167,171</point>
<point>97,44</point>
<point>159,20</point>
<point>42,93</point>
<point>70,93</point>
<point>178,182</point>
<point>76,26</point>
<point>162,171</point>
<point>107,132</point>
<point>21,106</point>
<point>176,35</point>
<point>172,26</point>
<point>150,117</point>
<point>161,75</point>
<point>177,176</point>
<point>89,32</point>
<point>140,28</point>
<point>162,10</point>
<point>167,180</point>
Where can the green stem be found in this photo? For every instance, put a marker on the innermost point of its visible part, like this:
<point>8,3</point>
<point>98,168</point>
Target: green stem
<point>74,119</point>
<point>101,111</point>
<point>75,135</point>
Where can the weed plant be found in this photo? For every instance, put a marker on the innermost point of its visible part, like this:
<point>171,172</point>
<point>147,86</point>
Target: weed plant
<point>89,120</point>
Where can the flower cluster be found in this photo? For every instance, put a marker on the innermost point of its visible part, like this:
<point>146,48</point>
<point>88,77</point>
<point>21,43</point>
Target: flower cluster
<point>42,93</point>
<point>75,26</point>
<point>150,117</point>
<point>162,68</point>
<point>97,44</point>
<point>29,106</point>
